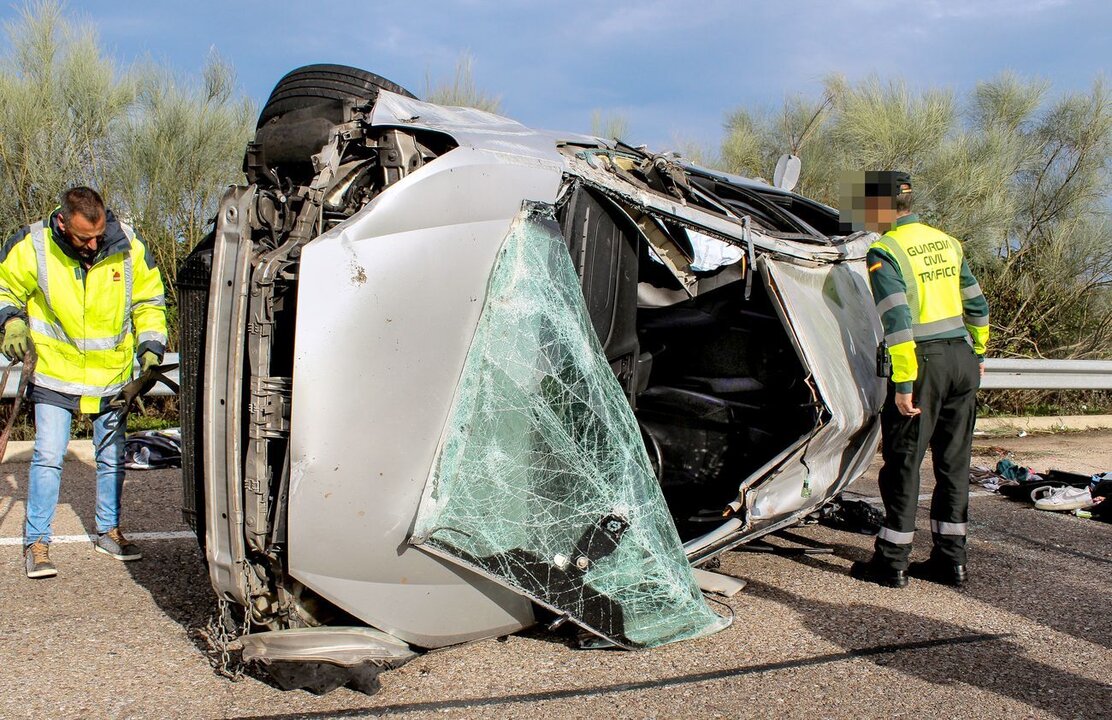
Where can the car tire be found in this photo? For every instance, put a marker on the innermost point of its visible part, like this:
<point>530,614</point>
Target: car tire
<point>302,110</point>
<point>324,85</point>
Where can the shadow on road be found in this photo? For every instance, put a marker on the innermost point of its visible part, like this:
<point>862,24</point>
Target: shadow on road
<point>998,666</point>
<point>1043,586</point>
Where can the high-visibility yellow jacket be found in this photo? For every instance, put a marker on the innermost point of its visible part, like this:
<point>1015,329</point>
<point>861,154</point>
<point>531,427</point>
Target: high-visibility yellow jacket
<point>87,323</point>
<point>924,291</point>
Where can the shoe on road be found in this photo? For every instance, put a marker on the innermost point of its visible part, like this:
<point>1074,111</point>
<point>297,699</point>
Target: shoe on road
<point>37,560</point>
<point>874,572</point>
<point>1065,499</point>
<point>114,544</point>
<point>939,571</point>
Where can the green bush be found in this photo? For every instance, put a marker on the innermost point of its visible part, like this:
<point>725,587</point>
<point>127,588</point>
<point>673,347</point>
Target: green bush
<point>161,149</point>
<point>1020,177</point>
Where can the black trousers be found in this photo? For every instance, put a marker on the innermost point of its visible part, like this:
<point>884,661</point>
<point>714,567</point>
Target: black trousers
<point>946,394</point>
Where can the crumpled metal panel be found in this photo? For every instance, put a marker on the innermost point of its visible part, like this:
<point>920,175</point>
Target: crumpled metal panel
<point>469,127</point>
<point>344,646</point>
<point>542,480</point>
<point>837,343</point>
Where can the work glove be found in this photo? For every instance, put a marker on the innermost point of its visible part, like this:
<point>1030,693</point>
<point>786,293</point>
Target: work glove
<point>148,360</point>
<point>17,339</point>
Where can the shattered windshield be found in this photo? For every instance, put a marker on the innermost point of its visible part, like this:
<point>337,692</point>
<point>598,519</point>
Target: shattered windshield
<point>542,480</point>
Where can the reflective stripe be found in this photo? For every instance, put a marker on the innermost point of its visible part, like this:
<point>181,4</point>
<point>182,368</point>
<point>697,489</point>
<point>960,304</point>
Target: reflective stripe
<point>5,306</point>
<point>57,332</point>
<point>938,326</point>
<point>158,301</point>
<point>977,320</point>
<point>948,528</point>
<point>129,279</point>
<point>110,343</point>
<point>38,239</point>
<point>896,298</point>
<point>52,383</point>
<point>899,337</point>
<point>151,336</point>
<point>896,537</point>
<point>903,264</point>
<point>51,330</point>
<point>972,291</point>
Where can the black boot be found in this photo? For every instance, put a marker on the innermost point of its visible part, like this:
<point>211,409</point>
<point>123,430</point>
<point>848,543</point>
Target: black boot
<point>943,572</point>
<point>879,573</point>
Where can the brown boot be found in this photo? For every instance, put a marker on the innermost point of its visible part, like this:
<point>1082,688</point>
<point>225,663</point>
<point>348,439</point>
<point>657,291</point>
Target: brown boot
<point>114,543</point>
<point>37,560</point>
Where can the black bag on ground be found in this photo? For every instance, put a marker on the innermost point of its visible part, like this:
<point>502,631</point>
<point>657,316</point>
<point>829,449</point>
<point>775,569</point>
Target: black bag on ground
<point>153,450</point>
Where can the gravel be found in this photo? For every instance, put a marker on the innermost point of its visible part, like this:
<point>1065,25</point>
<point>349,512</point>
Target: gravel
<point>1029,637</point>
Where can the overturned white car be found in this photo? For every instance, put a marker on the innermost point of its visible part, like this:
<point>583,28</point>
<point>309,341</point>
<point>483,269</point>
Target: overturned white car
<point>442,372</point>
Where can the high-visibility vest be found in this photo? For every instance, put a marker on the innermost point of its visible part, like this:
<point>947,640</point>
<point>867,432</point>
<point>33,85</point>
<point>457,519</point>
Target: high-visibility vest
<point>85,324</point>
<point>930,263</point>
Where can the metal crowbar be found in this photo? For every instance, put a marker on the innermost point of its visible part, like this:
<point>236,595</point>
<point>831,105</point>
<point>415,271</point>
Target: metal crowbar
<point>122,402</point>
<point>25,375</point>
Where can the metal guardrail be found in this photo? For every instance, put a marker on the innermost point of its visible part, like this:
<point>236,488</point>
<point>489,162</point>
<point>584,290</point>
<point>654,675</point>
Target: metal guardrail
<point>159,390</point>
<point>1000,374</point>
<point>1015,374</point>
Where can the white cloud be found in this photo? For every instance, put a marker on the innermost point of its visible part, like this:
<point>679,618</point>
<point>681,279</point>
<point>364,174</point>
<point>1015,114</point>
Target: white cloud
<point>945,10</point>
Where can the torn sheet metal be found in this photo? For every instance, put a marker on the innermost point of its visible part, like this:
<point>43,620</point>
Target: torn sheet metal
<point>596,176</point>
<point>836,343</point>
<point>344,646</point>
<point>469,127</point>
<point>542,480</point>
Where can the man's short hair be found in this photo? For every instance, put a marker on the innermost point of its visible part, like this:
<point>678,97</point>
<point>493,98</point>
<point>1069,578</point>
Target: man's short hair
<point>83,200</point>
<point>903,201</point>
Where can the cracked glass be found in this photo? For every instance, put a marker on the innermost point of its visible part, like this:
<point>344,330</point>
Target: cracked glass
<point>542,480</point>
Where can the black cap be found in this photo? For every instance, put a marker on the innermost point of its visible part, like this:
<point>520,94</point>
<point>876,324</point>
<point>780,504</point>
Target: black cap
<point>886,183</point>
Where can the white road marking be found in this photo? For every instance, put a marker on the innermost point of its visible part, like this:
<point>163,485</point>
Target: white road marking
<point>63,539</point>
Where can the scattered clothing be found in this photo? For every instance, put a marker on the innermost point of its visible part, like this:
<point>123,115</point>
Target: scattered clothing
<point>1010,471</point>
<point>1101,490</point>
<point>988,479</point>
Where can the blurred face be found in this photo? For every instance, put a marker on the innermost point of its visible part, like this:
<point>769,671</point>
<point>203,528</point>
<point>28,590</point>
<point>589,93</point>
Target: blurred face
<point>880,215</point>
<point>84,234</point>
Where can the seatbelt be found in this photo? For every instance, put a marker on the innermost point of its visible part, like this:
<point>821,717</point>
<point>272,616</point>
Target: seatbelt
<point>25,375</point>
<point>121,403</point>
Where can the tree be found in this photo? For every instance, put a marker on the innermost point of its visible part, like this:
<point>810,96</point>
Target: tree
<point>461,91</point>
<point>176,154</point>
<point>160,148</point>
<point>61,102</point>
<point>610,126</point>
<point>1022,182</point>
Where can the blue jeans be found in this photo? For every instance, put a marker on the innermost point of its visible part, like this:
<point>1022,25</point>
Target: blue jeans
<point>52,434</point>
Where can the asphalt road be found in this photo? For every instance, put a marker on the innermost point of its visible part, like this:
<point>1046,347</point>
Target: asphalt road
<point>1029,637</point>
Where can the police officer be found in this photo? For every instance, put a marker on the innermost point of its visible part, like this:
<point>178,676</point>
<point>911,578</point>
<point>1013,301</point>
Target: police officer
<point>83,291</point>
<point>935,321</point>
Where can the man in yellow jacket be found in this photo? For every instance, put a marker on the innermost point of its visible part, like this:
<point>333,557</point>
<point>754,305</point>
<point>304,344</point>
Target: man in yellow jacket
<point>81,291</point>
<point>935,321</point>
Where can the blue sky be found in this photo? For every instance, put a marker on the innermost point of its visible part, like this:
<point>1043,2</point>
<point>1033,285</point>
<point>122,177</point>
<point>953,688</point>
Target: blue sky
<point>674,69</point>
